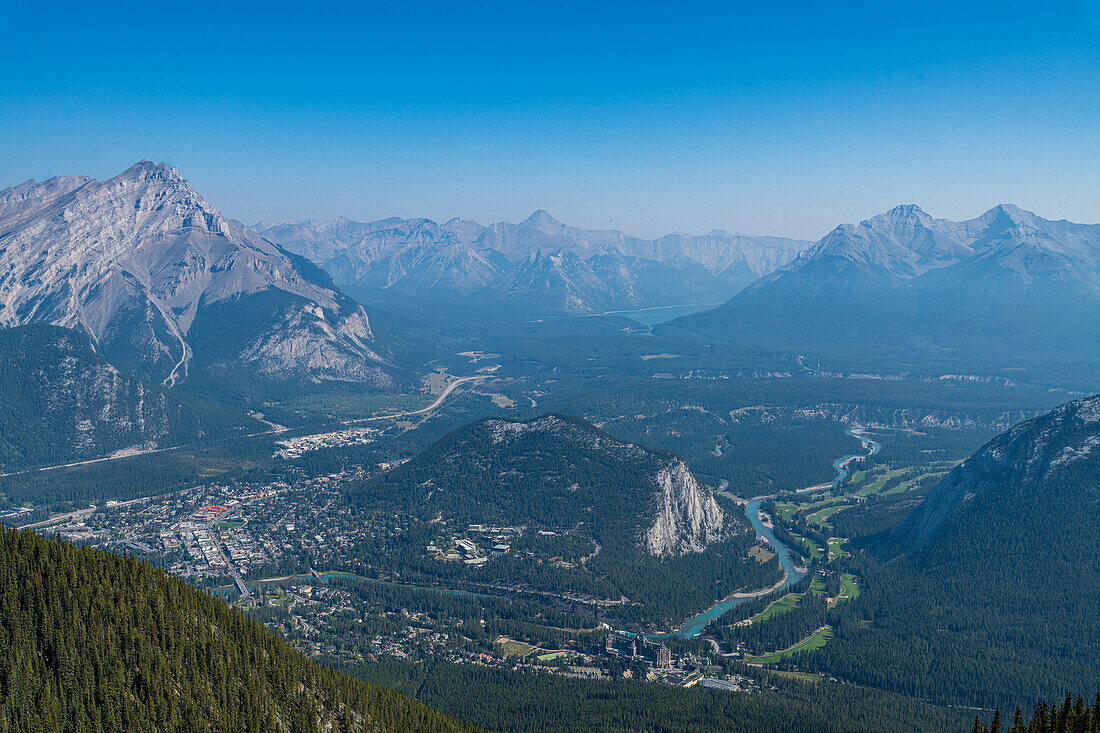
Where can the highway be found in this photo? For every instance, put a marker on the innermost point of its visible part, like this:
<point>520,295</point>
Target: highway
<point>438,401</point>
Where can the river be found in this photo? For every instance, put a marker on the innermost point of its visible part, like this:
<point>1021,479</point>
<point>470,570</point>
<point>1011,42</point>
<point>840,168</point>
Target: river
<point>696,624</point>
<point>792,574</point>
<point>840,465</point>
<point>661,314</point>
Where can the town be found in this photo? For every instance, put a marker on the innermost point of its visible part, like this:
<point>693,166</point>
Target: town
<point>286,552</point>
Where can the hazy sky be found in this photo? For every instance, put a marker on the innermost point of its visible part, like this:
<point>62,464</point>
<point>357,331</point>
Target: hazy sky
<point>769,117</point>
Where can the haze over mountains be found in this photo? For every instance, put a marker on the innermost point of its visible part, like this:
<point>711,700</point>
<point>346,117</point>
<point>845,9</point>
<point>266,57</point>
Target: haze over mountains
<point>168,287</point>
<point>1005,280</point>
<point>539,264</point>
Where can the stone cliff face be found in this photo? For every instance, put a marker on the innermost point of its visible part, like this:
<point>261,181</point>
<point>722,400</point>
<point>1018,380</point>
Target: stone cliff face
<point>683,515</point>
<point>688,517</point>
<point>134,261</point>
<point>1032,455</point>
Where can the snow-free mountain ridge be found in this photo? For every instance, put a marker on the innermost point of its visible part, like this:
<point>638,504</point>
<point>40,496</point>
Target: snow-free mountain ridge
<point>164,283</point>
<point>1006,280</point>
<point>539,264</point>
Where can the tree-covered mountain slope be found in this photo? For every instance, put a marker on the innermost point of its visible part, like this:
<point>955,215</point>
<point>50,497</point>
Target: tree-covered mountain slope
<point>63,402</point>
<point>590,514</point>
<point>559,471</point>
<point>994,598</point>
<point>90,641</point>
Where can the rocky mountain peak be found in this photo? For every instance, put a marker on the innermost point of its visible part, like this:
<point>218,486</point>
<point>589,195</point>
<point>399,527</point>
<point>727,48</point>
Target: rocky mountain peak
<point>147,170</point>
<point>541,221</point>
<point>132,261</point>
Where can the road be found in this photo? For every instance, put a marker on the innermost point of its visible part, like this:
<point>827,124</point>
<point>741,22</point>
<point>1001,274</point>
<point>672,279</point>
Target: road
<point>81,513</point>
<point>438,401</point>
<point>277,429</point>
<point>125,453</point>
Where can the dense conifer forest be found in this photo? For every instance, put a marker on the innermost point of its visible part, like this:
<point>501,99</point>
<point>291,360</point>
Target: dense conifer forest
<point>1070,717</point>
<point>518,701</point>
<point>91,641</point>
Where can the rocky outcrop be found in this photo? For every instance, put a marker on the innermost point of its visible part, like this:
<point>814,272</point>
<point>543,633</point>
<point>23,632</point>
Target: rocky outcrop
<point>688,517</point>
<point>852,414</point>
<point>1032,454</point>
<point>683,516</point>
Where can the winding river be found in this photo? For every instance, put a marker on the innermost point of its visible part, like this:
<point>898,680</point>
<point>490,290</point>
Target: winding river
<point>695,625</point>
<point>791,574</point>
<point>840,465</point>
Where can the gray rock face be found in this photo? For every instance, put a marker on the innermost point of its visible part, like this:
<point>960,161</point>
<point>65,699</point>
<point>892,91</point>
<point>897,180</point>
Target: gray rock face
<point>539,264</point>
<point>688,517</point>
<point>134,260</point>
<point>64,402</point>
<point>685,517</point>
<point>1031,454</point>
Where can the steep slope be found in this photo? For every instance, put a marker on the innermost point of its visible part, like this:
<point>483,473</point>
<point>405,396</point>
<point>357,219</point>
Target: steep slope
<point>549,471</point>
<point>413,256</point>
<point>997,287</point>
<point>539,264</point>
<point>138,262</point>
<point>994,597</point>
<point>94,641</point>
<point>557,281</point>
<point>1033,459</point>
<point>598,517</point>
<point>1025,275</point>
<point>63,402</point>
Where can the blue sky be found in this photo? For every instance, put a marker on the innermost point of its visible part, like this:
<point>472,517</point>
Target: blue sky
<point>783,118</point>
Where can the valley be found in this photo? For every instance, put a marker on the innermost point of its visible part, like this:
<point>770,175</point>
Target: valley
<point>315,419</point>
<point>594,495</point>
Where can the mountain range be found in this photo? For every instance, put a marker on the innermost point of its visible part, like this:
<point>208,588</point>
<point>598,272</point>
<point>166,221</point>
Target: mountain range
<point>169,289</point>
<point>1003,282</point>
<point>539,264</point>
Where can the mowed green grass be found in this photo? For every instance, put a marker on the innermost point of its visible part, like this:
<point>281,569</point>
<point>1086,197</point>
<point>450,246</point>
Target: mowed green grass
<point>879,481</point>
<point>815,640</point>
<point>786,511</point>
<point>781,605</point>
<point>912,483</point>
<point>849,588</point>
<point>836,547</point>
<point>787,602</point>
<point>821,518</point>
<point>808,545</point>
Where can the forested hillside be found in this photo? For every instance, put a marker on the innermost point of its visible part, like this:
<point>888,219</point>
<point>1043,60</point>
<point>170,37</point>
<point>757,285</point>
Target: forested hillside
<point>522,701</point>
<point>63,402</point>
<point>90,641</point>
<point>995,599</point>
<point>631,521</point>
